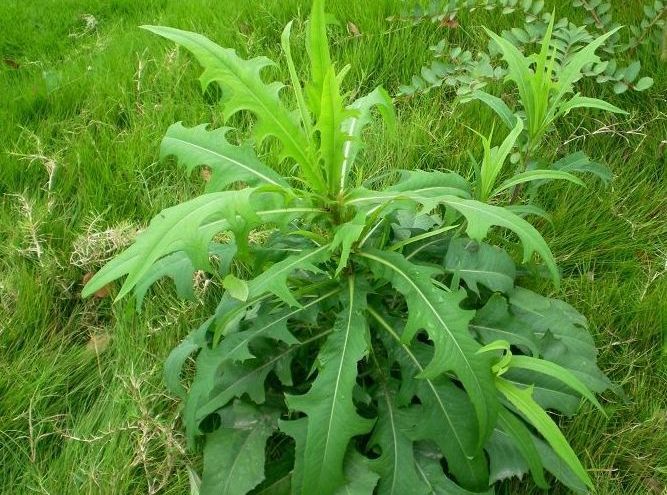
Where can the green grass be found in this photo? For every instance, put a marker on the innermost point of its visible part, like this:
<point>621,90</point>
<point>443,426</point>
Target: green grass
<point>82,406</point>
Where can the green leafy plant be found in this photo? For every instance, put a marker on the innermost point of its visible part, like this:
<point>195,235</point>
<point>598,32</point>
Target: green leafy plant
<point>460,68</point>
<point>545,94</point>
<point>367,340</point>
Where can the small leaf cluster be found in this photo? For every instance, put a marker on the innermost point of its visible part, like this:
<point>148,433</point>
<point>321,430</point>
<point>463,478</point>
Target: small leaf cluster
<point>618,67</point>
<point>368,337</point>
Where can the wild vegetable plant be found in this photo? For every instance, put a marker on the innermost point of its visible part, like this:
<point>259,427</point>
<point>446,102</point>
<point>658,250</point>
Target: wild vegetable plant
<point>546,92</point>
<point>369,340</point>
<point>463,69</point>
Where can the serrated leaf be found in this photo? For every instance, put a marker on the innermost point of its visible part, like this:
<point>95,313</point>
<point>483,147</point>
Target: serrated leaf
<point>215,387</point>
<point>521,437</point>
<point>187,227</point>
<point>444,419</point>
<point>173,366</point>
<point>563,334</point>
<point>396,464</point>
<point>482,216</point>
<point>234,453</point>
<point>176,266</point>
<point>480,263</point>
<point>228,163</point>
<point>244,89</point>
<point>446,324</point>
<point>332,419</point>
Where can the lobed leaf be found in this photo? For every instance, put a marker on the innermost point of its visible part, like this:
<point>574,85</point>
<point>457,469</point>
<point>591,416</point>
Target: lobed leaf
<point>439,314</point>
<point>332,419</point>
<point>228,163</point>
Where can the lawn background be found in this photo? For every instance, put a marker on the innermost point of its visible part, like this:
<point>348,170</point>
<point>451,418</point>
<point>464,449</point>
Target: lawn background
<point>84,102</point>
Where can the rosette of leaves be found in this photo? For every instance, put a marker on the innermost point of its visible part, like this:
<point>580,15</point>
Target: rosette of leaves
<point>465,71</point>
<point>373,342</point>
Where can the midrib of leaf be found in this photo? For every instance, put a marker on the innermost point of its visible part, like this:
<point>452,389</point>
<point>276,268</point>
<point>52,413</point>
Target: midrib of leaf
<point>522,229</point>
<point>231,477</point>
<point>428,303</point>
<point>257,333</point>
<point>225,157</point>
<point>340,365</point>
<point>418,365</point>
<point>212,404</point>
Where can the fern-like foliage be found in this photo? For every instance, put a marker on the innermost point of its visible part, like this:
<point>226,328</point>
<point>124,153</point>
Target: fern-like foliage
<point>370,340</point>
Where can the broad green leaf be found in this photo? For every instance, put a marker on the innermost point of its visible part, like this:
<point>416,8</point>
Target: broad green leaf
<point>482,216</point>
<point>332,417</point>
<point>396,463</point>
<point>361,479</point>
<point>533,175</point>
<point>228,163</point>
<point>563,334</point>
<point>354,125</point>
<point>497,105</point>
<point>551,369</point>
<point>428,465</point>
<point>438,312</point>
<point>234,453</point>
<point>523,401</point>
<point>447,417</point>
<point>494,322</point>
<point>480,263</point>
<point>216,388</point>
<point>643,84</point>
<point>244,89</point>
